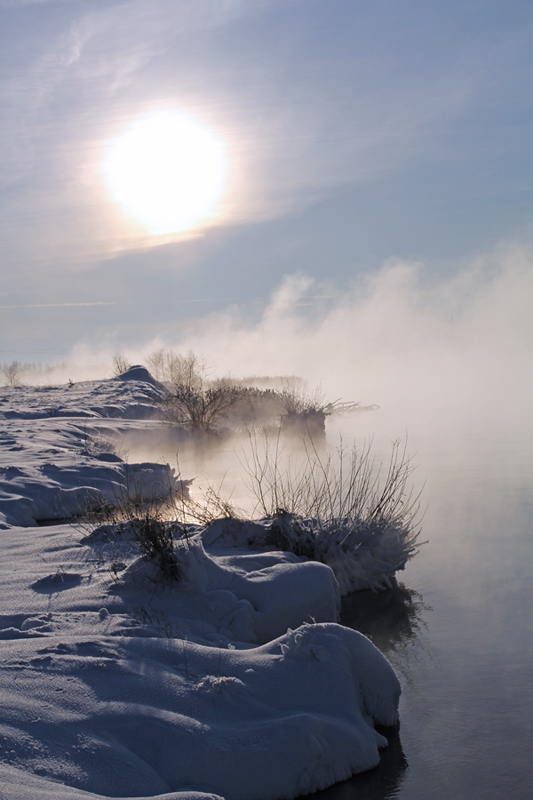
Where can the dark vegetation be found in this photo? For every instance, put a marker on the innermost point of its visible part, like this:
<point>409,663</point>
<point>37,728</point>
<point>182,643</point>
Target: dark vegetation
<point>204,406</point>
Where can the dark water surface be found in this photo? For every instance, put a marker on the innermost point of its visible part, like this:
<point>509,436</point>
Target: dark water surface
<point>459,626</point>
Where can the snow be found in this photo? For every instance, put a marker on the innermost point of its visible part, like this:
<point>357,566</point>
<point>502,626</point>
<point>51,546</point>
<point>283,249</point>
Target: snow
<point>53,459</point>
<point>233,682</point>
<point>364,556</point>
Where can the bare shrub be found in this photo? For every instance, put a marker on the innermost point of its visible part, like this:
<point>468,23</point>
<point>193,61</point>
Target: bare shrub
<point>198,408</point>
<point>212,506</point>
<point>343,485</point>
<point>120,365</point>
<point>297,398</point>
<point>151,528</point>
<point>148,526</point>
<point>194,401</point>
<point>12,373</point>
<point>202,405</point>
<point>17,373</point>
<point>292,408</point>
<point>340,509</point>
<point>155,541</point>
<point>171,367</point>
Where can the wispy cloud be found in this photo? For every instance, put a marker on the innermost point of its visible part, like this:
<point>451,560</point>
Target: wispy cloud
<point>105,303</point>
<point>70,305</point>
<point>308,98</point>
<point>298,121</point>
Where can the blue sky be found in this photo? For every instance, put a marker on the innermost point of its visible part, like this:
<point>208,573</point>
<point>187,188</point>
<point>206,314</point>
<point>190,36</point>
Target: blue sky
<point>356,133</point>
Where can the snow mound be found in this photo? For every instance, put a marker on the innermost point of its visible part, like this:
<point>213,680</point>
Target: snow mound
<point>245,598</point>
<point>47,492</point>
<point>113,685</point>
<point>138,373</point>
<point>122,716</point>
<point>362,556</point>
<point>111,398</point>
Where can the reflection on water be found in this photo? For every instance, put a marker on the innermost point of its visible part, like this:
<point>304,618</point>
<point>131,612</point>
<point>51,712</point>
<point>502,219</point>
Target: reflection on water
<point>392,619</point>
<point>380,783</point>
<point>387,617</point>
<point>466,712</point>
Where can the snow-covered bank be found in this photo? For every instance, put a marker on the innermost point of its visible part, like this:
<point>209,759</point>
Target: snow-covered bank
<point>119,687</point>
<point>126,716</point>
<point>232,681</point>
<point>54,457</point>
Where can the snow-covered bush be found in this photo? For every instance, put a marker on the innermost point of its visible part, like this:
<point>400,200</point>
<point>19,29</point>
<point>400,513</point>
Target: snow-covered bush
<point>339,510</point>
<point>147,535</point>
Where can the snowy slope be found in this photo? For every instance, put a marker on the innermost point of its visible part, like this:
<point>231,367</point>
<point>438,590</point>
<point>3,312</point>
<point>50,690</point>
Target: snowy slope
<point>234,681</point>
<point>53,459</point>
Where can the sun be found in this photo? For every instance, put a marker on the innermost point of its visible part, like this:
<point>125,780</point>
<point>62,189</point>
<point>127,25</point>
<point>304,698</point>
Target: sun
<point>168,171</point>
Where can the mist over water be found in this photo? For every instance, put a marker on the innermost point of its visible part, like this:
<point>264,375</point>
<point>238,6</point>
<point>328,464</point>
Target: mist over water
<point>451,351</point>
<point>459,633</point>
<point>444,361</point>
<point>394,339</point>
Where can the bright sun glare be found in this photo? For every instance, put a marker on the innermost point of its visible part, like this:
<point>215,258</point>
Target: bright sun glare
<point>167,170</point>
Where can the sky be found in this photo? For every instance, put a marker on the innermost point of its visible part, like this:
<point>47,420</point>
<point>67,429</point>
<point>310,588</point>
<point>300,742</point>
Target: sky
<point>376,169</point>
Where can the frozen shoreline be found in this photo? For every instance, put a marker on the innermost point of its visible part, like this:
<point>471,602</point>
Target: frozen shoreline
<point>236,681</point>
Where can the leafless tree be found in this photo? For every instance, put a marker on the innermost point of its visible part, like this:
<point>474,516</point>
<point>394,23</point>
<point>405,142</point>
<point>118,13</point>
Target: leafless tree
<point>194,401</point>
<point>12,373</point>
<point>120,365</point>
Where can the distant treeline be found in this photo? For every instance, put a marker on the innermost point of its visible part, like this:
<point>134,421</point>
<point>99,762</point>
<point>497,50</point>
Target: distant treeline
<point>15,373</point>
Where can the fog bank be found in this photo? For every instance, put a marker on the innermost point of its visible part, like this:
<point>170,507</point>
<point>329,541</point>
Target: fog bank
<point>462,346</point>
